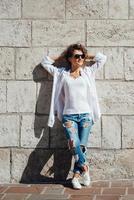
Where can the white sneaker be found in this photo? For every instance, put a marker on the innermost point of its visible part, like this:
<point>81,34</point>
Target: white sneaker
<point>75,183</point>
<point>85,178</point>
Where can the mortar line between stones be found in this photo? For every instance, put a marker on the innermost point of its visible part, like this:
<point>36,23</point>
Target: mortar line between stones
<point>10,165</point>
<point>28,196</point>
<point>94,197</point>
<point>65,10</point>
<point>108,10</point>
<point>103,49</point>
<point>21,9</point>
<point>44,190</point>
<point>110,184</point>
<point>126,191</point>
<point>6,96</point>
<point>128,9</point>
<point>31,33</point>
<point>45,46</point>
<point>91,148</point>
<point>20,124</point>
<point>121,133</point>
<point>101,191</point>
<point>123,63</point>
<point>49,137</point>
<point>5,190</point>
<point>15,63</point>
<point>3,196</point>
<point>58,19</point>
<point>88,46</point>
<point>132,183</point>
<point>37,86</point>
<point>101,131</point>
<point>98,80</point>
<point>85,27</point>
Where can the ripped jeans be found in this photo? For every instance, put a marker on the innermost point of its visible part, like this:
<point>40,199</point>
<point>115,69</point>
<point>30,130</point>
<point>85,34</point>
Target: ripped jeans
<point>77,129</point>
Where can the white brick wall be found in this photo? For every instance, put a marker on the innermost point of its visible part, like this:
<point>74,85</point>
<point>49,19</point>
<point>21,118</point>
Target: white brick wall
<point>30,30</point>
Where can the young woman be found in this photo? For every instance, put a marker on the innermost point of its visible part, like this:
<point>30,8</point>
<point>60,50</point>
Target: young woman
<point>74,99</point>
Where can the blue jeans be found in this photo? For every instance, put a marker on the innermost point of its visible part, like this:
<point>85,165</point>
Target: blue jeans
<point>77,129</point>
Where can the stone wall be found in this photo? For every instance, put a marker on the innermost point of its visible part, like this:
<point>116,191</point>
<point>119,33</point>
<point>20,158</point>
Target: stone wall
<point>30,151</point>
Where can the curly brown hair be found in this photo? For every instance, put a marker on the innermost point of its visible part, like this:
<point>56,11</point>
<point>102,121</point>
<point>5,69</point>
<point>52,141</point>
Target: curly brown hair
<point>72,47</point>
<point>68,52</point>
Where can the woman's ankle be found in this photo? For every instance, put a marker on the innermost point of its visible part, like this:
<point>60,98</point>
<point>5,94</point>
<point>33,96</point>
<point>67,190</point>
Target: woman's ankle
<point>76,175</point>
<point>85,168</point>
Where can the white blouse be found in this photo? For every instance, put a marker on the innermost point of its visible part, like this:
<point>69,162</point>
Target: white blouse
<point>75,92</point>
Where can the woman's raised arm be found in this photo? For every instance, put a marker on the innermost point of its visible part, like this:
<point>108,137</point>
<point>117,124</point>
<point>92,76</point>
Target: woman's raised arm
<point>47,63</point>
<point>99,60</point>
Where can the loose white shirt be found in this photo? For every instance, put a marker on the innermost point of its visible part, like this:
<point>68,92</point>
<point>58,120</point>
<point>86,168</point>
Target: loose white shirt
<point>75,92</point>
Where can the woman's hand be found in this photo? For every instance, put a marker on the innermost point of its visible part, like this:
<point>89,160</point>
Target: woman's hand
<point>90,57</point>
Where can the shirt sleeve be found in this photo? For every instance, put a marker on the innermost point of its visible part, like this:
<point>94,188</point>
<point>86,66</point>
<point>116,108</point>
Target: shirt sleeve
<point>100,60</point>
<point>47,63</point>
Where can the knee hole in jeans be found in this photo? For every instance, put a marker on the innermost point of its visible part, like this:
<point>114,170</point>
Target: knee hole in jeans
<point>86,124</point>
<point>68,124</point>
<point>83,148</point>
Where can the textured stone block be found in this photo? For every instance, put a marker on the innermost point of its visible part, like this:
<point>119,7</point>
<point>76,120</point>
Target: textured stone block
<point>127,131</point>
<point>88,9</point>
<point>131,9</point>
<point>4,165</point>
<point>34,131</point>
<point>114,68</point>
<point>26,61</point>
<point>21,96</point>
<point>10,9</point>
<point>9,130</point>
<point>7,63</point>
<point>118,9</point>
<point>93,51</point>
<point>94,139</point>
<point>15,33</point>
<point>129,63</point>
<point>125,163</point>
<point>111,132</point>
<point>116,97</point>
<point>2,96</point>
<point>19,162</point>
<point>44,97</point>
<point>111,164</point>
<point>57,33</point>
<point>55,51</point>
<point>44,9</point>
<point>110,33</point>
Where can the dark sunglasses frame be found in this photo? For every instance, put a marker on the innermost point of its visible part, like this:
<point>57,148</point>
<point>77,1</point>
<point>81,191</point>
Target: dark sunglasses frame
<point>76,56</point>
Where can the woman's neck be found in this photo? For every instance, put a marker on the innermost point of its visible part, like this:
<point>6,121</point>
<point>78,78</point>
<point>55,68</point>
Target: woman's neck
<point>75,69</point>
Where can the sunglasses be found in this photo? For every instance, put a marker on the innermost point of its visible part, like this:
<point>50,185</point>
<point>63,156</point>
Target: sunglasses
<point>76,56</point>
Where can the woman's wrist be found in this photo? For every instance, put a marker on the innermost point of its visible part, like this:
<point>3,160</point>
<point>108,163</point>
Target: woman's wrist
<point>90,56</point>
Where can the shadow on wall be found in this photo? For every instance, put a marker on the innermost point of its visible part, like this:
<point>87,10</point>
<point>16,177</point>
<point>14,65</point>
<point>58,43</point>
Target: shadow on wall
<point>51,160</point>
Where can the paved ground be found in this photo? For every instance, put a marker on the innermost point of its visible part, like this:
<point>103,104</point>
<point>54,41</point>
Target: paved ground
<point>98,190</point>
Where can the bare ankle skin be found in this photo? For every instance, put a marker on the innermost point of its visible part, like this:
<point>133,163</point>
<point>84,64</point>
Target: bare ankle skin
<point>77,175</point>
<point>85,168</point>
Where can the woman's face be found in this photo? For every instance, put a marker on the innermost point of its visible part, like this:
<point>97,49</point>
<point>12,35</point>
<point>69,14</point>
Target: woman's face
<point>77,58</point>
